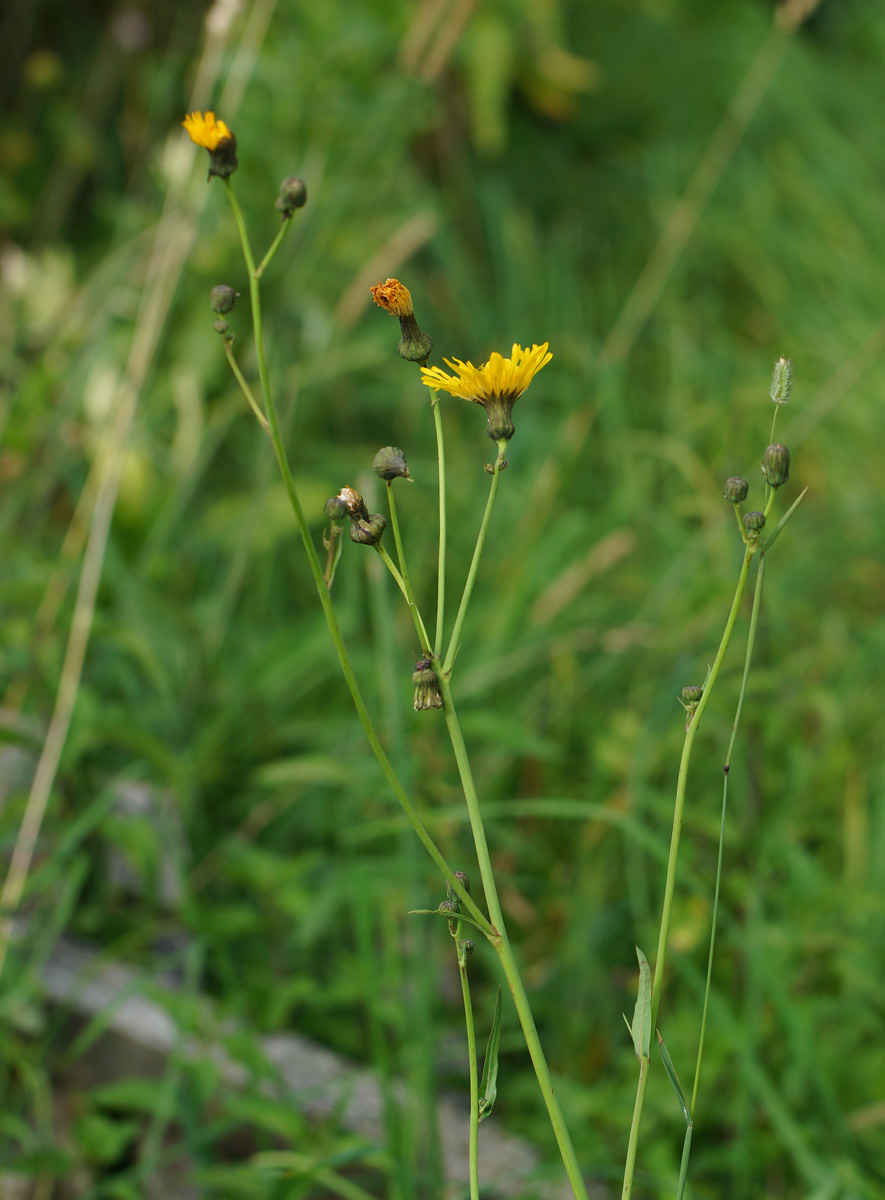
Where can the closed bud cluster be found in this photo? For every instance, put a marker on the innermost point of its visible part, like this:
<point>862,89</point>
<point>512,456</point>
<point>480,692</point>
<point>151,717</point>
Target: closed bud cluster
<point>365,528</point>
<point>427,693</point>
<point>782,381</point>
<point>754,521</point>
<point>390,463</point>
<point>776,465</point>
<point>222,298</point>
<point>293,195</point>
<point>736,489</point>
<point>368,532</point>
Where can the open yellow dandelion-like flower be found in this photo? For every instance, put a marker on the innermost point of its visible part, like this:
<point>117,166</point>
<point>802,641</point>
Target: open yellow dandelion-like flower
<point>204,130</point>
<point>496,385</point>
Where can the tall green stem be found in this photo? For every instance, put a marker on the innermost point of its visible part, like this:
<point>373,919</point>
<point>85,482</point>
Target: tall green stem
<point>670,885</point>
<point>474,1075</point>
<point>407,585</point>
<point>441,565</point>
<point>502,946</point>
<point>474,564</point>
<point>751,641</point>
<point>323,592</point>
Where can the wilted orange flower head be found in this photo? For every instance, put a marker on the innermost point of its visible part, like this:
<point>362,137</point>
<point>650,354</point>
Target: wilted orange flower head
<point>205,131</point>
<point>393,296</point>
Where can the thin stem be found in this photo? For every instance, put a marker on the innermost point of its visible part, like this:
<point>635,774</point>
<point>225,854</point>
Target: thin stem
<point>691,732</point>
<point>274,247</point>
<point>474,1078</point>
<point>247,391</point>
<point>670,885</point>
<point>323,592</point>
<point>441,565</point>
<point>401,555</point>
<point>751,639</point>
<point>633,1143</point>
<point>502,946</point>
<point>474,565</point>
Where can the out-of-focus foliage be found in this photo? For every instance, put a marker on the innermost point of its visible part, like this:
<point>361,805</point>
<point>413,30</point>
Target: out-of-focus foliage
<point>515,163</point>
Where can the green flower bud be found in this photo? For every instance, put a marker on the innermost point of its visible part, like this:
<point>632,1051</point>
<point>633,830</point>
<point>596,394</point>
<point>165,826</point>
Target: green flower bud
<point>368,532</point>
<point>776,465</point>
<point>754,521</point>
<point>448,907</point>
<point>736,489</point>
<point>692,694</point>
<point>463,880</point>
<point>221,327</point>
<point>427,693</point>
<point>390,463</point>
<point>335,508</point>
<point>466,948</point>
<point>293,194</point>
<point>222,298</point>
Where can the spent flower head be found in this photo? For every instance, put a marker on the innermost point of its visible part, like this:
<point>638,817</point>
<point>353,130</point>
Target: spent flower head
<point>496,384</point>
<point>213,135</point>
<point>394,297</point>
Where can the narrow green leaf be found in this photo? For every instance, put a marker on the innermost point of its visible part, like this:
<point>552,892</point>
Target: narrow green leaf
<point>448,914</point>
<point>674,1078</point>
<point>640,1030</point>
<point>488,1087</point>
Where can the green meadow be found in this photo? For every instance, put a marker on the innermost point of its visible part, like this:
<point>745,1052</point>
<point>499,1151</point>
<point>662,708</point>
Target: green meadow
<point>672,194</point>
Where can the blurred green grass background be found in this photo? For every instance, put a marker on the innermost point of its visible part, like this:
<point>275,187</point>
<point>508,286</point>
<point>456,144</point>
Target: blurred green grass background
<point>515,163</point>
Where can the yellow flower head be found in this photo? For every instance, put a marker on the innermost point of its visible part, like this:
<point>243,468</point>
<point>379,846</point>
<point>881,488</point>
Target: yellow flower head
<point>393,296</point>
<point>215,137</point>
<point>496,385</point>
<point>205,131</point>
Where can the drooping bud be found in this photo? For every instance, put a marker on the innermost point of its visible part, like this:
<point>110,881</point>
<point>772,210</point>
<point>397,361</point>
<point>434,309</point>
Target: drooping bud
<point>368,532</point>
<point>692,694</point>
<point>463,880</point>
<point>395,298</point>
<point>782,381</point>
<point>736,489</point>
<point>293,195</point>
<point>335,508</point>
<point>776,465</point>
<point>427,693</point>
<point>222,298</point>
<point>754,521</point>
<point>390,463</point>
